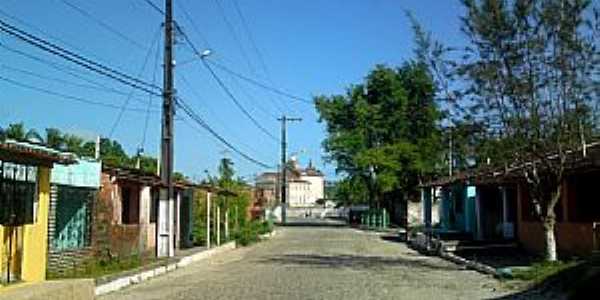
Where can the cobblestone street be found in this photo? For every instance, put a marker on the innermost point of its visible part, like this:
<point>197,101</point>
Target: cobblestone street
<point>318,263</point>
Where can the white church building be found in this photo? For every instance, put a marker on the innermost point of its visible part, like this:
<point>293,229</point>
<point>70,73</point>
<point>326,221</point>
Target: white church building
<point>305,186</point>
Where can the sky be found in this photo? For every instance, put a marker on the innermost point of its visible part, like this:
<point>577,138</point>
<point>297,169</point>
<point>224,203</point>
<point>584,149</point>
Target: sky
<point>308,47</point>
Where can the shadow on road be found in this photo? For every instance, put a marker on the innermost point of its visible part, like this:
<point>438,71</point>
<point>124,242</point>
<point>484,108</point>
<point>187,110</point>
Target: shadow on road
<point>353,262</point>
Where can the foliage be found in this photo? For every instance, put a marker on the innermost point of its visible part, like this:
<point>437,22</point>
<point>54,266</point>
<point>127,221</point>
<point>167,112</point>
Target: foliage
<point>382,134</point>
<point>539,272</point>
<point>111,151</point>
<point>98,267</point>
<point>235,201</point>
<point>527,84</point>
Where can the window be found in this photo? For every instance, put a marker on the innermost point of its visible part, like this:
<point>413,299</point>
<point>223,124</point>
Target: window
<point>130,205</point>
<point>18,194</point>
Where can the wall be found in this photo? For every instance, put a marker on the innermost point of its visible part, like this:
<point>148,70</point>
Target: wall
<point>316,187</point>
<point>109,234</point>
<point>573,239</point>
<point>34,236</point>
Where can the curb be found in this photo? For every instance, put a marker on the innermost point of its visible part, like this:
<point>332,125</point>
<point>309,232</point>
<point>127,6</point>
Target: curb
<point>485,269</point>
<point>120,283</point>
<point>268,235</point>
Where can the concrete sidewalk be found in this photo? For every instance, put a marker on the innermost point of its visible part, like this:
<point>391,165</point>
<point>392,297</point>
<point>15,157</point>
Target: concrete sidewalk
<point>73,289</point>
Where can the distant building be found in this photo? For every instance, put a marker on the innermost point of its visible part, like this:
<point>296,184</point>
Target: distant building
<point>305,186</point>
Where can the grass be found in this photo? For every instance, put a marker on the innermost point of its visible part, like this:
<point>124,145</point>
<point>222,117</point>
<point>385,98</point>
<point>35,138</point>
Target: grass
<point>541,271</point>
<point>95,268</point>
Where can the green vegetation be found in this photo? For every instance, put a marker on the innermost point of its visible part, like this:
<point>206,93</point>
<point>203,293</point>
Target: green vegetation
<point>541,271</point>
<point>111,151</point>
<point>522,92</point>
<point>234,197</point>
<point>95,267</point>
<point>383,135</point>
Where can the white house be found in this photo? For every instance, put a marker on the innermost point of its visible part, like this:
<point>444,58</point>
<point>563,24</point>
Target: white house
<point>305,186</point>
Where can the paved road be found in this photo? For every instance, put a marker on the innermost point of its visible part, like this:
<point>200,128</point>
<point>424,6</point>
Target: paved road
<point>318,263</point>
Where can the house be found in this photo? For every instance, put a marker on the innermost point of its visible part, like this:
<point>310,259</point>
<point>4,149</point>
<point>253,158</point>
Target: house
<point>24,204</point>
<point>494,205</point>
<point>73,193</point>
<point>304,186</point>
<point>578,212</point>
<point>267,189</point>
<point>124,219</point>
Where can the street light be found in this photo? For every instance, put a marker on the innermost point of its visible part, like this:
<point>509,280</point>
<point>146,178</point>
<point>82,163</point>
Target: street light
<point>205,53</point>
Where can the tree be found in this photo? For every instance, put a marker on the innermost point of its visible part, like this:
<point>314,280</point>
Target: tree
<point>54,138</point>
<point>529,79</point>
<point>382,134</point>
<point>16,131</point>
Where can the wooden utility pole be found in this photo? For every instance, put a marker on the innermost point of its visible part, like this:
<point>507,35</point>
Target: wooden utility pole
<point>166,207</point>
<point>284,121</point>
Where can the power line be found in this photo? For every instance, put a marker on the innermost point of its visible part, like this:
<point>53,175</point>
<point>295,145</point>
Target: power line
<point>194,116</point>
<point>143,143</point>
<point>126,102</point>
<point>235,36</point>
<point>226,90</point>
<point>259,84</point>
<point>69,97</point>
<point>216,116</point>
<point>103,24</point>
<point>43,32</point>
<point>158,9</point>
<point>100,88</point>
<point>190,20</point>
<point>78,59</point>
<point>257,51</point>
<point>237,103</point>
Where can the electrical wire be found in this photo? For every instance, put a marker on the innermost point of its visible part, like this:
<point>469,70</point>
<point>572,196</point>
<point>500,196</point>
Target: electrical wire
<point>257,51</point>
<point>190,20</point>
<point>128,98</point>
<point>103,24</point>
<point>237,103</point>
<point>155,7</point>
<point>194,116</point>
<point>78,59</point>
<point>146,120</point>
<point>69,97</point>
<point>259,84</point>
<point>100,88</point>
<point>235,36</point>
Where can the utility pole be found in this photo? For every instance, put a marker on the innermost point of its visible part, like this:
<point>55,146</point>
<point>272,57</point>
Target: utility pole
<point>166,207</point>
<point>284,121</point>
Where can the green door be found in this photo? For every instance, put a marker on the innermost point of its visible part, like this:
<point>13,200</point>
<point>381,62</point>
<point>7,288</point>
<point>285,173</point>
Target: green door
<point>72,217</point>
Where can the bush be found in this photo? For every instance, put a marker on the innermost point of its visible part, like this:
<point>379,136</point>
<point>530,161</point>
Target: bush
<point>250,232</point>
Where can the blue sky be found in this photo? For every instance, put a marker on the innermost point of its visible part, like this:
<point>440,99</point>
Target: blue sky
<point>309,48</point>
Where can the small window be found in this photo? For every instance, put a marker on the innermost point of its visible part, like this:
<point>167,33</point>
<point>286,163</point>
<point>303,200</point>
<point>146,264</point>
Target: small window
<point>18,194</point>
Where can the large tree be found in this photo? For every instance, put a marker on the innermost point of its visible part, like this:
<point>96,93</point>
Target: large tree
<point>382,134</point>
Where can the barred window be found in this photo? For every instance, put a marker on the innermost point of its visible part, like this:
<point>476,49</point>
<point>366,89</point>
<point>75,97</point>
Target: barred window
<point>18,194</point>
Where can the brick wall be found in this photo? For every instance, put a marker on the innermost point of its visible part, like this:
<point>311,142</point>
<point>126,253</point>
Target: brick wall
<point>112,238</point>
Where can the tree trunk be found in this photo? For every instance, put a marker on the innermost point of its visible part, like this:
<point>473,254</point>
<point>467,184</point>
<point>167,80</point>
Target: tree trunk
<point>549,239</point>
<point>548,223</point>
